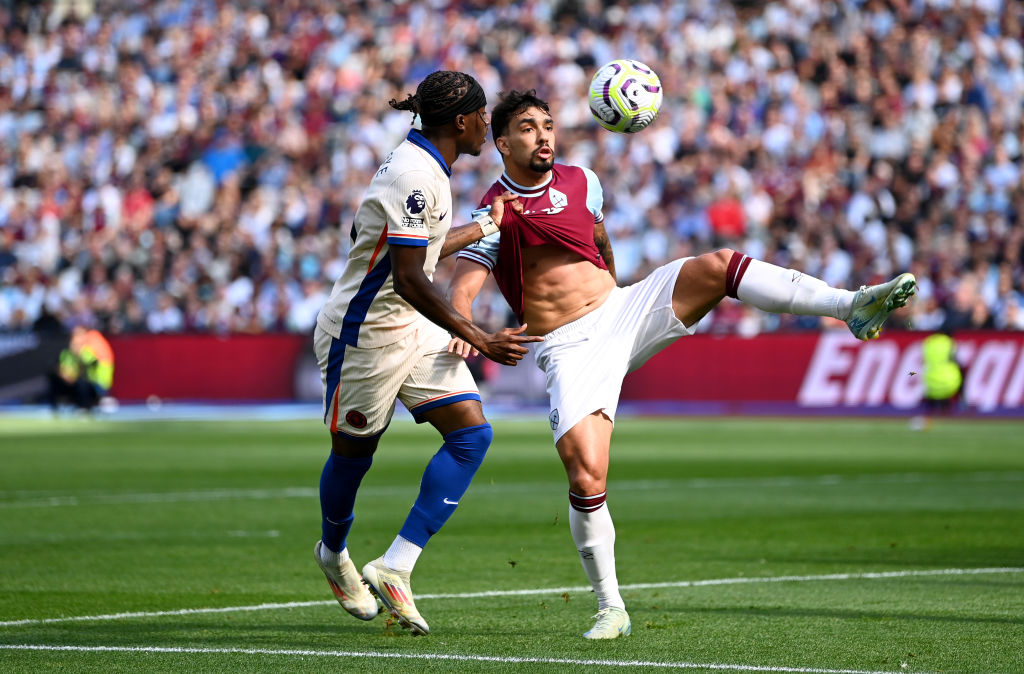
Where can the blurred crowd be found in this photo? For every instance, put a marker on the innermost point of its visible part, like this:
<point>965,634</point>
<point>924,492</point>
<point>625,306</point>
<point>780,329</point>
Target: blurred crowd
<point>194,165</point>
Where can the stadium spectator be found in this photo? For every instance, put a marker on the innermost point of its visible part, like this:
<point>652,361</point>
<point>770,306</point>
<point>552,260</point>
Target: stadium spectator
<point>267,109</point>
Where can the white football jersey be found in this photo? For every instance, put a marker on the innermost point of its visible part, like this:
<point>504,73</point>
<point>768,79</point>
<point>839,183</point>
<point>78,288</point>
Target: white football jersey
<point>408,203</point>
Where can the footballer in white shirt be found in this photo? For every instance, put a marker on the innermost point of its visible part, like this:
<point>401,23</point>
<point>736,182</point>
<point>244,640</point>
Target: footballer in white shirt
<point>383,336</point>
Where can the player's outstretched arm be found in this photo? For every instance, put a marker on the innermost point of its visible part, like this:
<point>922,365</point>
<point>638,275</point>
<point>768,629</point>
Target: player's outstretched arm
<point>505,347</point>
<point>460,237</point>
<point>467,280</point>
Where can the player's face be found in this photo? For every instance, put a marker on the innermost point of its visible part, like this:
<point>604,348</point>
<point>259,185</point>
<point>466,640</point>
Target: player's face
<point>477,124</point>
<point>531,141</point>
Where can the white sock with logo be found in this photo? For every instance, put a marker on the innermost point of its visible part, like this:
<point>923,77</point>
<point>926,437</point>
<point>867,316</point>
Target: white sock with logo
<point>785,291</point>
<point>402,555</point>
<point>594,535</point>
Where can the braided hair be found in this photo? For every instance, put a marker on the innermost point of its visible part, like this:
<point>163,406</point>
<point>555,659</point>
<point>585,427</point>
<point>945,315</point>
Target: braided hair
<point>441,96</point>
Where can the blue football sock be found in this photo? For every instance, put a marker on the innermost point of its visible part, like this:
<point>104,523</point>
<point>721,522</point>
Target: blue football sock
<point>445,480</point>
<point>339,483</point>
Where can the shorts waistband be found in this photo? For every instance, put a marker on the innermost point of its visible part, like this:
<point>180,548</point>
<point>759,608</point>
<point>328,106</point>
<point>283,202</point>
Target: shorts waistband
<point>583,323</point>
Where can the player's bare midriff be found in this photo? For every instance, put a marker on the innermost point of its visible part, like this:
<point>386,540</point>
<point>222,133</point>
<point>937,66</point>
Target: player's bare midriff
<point>559,287</point>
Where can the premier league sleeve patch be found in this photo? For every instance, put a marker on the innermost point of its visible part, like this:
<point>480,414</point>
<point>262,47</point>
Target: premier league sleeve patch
<point>415,204</point>
<point>408,205</point>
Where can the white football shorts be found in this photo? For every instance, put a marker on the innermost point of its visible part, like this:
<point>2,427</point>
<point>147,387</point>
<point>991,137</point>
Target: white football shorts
<point>585,361</point>
<point>360,386</point>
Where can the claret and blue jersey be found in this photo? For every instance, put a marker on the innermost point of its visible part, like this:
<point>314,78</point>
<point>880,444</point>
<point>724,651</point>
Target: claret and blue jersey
<point>562,211</point>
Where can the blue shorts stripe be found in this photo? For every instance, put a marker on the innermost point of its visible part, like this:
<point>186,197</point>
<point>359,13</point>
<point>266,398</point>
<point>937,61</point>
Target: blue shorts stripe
<point>360,304</point>
<point>335,358</point>
<point>441,402</point>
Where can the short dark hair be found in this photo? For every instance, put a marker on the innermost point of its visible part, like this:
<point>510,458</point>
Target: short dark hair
<point>511,104</point>
<point>439,95</point>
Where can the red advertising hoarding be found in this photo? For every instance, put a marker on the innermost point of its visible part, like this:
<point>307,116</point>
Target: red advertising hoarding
<point>207,367</point>
<point>827,370</point>
<point>783,372</point>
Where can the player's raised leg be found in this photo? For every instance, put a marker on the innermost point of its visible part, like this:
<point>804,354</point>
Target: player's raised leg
<point>704,280</point>
<point>584,450</point>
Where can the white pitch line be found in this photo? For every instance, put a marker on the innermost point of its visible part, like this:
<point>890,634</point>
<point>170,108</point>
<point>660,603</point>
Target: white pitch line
<point>450,657</point>
<point>23,499</point>
<point>738,581</point>
<point>538,591</point>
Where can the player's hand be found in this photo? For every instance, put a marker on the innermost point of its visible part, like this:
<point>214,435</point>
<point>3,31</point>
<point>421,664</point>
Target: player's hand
<point>461,347</point>
<point>499,204</point>
<point>507,346</point>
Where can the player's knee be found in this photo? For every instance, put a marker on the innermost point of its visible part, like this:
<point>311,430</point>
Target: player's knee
<point>586,482</point>
<point>707,273</point>
<point>717,262</point>
<point>469,445</point>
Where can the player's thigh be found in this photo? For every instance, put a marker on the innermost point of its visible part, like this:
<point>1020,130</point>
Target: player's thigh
<point>699,286</point>
<point>583,375</point>
<point>360,385</point>
<point>449,418</point>
<point>440,388</point>
<point>651,320</point>
<point>585,452</point>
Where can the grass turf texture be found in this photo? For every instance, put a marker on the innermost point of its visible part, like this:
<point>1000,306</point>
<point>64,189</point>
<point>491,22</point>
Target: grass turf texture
<point>103,518</point>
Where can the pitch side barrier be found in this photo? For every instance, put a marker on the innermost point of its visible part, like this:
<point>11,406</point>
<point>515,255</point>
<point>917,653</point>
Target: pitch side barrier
<point>800,373</point>
<point>829,372</point>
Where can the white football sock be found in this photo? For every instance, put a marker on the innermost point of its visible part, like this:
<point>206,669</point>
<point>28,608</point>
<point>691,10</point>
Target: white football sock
<point>594,535</point>
<point>328,556</point>
<point>779,290</point>
<point>402,555</point>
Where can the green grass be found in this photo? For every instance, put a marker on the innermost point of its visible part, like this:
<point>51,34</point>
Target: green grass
<point>102,518</point>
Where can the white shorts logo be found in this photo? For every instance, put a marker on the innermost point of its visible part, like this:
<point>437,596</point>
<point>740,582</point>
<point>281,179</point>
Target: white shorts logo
<point>553,418</point>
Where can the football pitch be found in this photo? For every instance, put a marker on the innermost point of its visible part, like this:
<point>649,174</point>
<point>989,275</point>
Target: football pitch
<point>743,545</point>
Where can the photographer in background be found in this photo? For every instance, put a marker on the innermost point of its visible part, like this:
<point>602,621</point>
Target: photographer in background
<point>85,370</point>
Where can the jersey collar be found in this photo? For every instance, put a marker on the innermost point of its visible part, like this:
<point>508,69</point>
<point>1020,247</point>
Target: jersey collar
<point>524,191</point>
<point>419,140</point>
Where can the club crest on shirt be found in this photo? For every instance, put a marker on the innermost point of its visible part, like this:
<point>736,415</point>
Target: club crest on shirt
<point>559,200</point>
<point>415,202</point>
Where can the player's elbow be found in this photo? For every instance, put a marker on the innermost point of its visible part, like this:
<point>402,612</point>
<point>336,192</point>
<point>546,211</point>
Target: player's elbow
<point>406,282</point>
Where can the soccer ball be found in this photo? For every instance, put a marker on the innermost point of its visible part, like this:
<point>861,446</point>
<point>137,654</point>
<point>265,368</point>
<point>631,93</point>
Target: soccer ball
<point>625,96</point>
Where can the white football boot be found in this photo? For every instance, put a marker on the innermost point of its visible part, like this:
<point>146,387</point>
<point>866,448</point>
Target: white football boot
<point>612,623</point>
<point>393,589</point>
<point>873,304</point>
<point>347,586</point>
